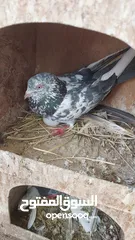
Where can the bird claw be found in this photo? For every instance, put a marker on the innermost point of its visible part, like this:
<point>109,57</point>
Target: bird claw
<point>59,131</point>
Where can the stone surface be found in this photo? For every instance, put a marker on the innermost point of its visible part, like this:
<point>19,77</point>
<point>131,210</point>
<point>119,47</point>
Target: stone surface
<point>17,64</point>
<point>16,171</point>
<point>7,237</point>
<point>115,18</point>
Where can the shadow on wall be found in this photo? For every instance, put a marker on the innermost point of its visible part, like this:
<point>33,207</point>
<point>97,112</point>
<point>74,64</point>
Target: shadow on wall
<point>27,49</point>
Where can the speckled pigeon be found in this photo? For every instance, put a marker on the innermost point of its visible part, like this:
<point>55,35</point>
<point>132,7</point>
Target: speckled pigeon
<point>63,99</point>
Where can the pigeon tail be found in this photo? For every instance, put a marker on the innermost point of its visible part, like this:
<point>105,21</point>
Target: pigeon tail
<point>116,114</point>
<point>120,67</point>
<point>128,73</point>
<point>104,62</point>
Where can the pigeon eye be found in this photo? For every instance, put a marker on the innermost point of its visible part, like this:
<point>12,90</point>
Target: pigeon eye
<point>39,86</point>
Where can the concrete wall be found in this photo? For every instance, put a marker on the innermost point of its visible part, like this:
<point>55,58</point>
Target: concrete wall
<point>17,64</point>
<point>16,171</point>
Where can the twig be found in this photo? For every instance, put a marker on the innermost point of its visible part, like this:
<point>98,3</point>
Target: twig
<point>122,158</point>
<point>45,151</point>
<point>24,139</point>
<point>86,135</point>
<point>90,159</point>
<point>60,145</point>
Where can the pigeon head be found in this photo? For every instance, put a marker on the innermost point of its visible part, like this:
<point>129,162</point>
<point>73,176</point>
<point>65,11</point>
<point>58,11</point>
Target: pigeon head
<point>45,91</point>
<point>38,84</point>
<point>44,84</point>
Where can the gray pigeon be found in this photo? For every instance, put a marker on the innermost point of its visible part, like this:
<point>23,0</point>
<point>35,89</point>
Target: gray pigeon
<point>63,99</point>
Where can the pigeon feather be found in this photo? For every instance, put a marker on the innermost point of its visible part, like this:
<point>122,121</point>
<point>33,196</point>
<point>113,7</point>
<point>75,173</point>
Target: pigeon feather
<point>108,125</point>
<point>115,114</point>
<point>63,99</point>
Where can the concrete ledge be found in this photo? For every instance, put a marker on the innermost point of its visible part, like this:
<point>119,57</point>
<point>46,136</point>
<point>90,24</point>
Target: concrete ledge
<point>16,170</point>
<point>19,233</point>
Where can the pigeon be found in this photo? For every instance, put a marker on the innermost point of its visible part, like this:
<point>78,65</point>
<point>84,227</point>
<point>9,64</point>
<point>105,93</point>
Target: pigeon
<point>64,99</point>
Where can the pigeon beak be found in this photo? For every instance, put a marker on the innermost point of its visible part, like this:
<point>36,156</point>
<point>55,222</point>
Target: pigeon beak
<point>27,95</point>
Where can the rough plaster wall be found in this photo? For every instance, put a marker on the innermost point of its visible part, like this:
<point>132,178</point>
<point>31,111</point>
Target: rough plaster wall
<point>62,48</point>
<point>17,64</point>
<point>16,171</point>
<point>115,17</point>
<point>15,196</point>
<point>7,237</point>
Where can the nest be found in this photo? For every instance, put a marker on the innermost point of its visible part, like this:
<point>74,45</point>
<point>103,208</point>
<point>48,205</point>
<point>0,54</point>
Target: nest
<point>95,146</point>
